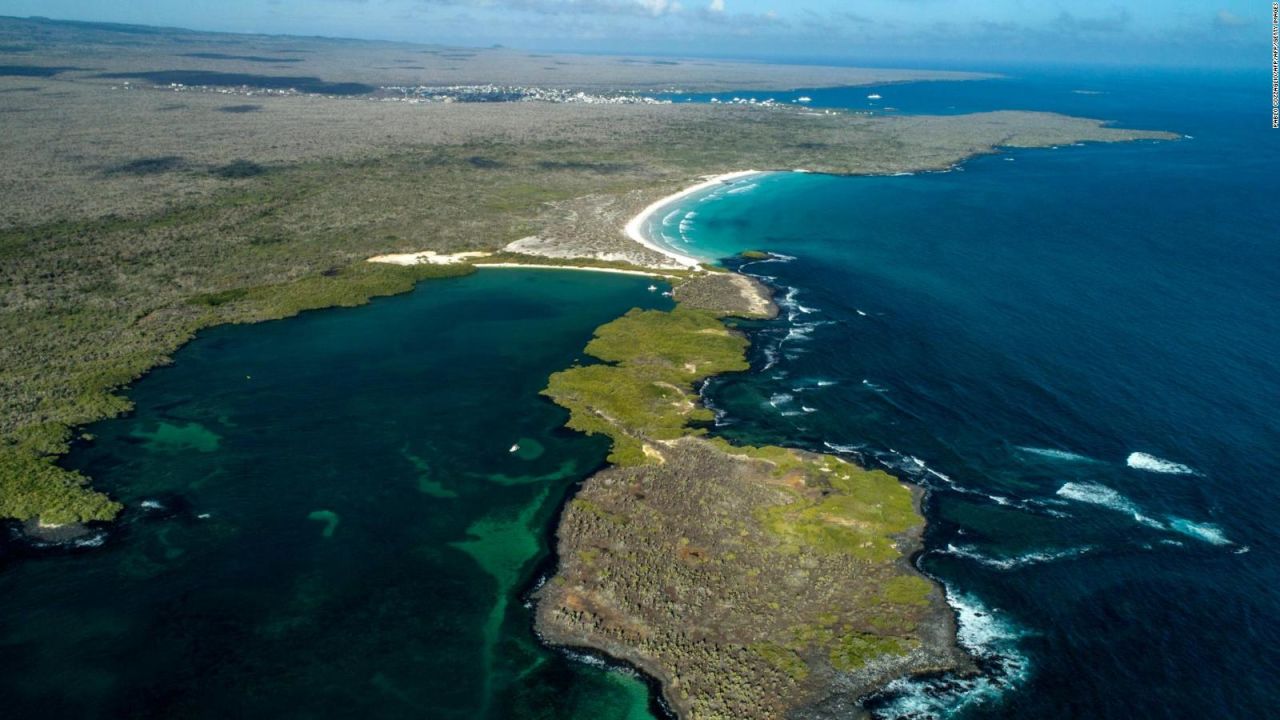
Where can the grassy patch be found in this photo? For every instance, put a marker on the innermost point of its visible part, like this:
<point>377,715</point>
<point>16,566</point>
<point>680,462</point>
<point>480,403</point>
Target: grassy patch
<point>855,650</point>
<point>858,513</point>
<point>782,658</point>
<point>645,389</point>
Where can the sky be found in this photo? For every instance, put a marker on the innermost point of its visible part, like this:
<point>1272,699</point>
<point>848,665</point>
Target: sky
<point>955,33</point>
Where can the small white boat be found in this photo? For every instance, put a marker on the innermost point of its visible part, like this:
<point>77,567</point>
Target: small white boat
<point>875,96</point>
<point>653,288</point>
<point>514,447</point>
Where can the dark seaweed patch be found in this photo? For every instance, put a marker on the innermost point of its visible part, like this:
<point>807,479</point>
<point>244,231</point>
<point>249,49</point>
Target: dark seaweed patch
<point>267,82</point>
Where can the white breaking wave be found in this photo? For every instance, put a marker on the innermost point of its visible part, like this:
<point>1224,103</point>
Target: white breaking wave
<point>1012,563</point>
<point>743,189</point>
<point>151,505</point>
<point>874,387</point>
<point>1056,454</point>
<point>586,659</point>
<point>685,224</point>
<point>778,399</point>
<point>987,635</point>
<point>800,332</point>
<point>919,473</point>
<point>793,307</point>
<point>1151,463</point>
<point>836,447</point>
<point>1106,497</point>
<point>670,218</point>
<point>90,541</point>
<point>1095,494</point>
<point>1208,532</point>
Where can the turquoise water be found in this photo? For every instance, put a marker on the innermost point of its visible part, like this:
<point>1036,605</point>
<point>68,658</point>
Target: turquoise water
<point>1076,351</point>
<point>324,518</point>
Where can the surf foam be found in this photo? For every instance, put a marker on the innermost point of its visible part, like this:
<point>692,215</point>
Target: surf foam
<point>1104,496</point>
<point>1095,494</point>
<point>991,638</point>
<point>1151,463</point>
<point>1018,561</point>
<point>1055,454</point>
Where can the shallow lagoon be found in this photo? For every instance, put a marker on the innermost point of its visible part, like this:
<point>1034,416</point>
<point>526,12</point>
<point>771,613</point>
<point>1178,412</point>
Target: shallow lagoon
<point>325,517</point>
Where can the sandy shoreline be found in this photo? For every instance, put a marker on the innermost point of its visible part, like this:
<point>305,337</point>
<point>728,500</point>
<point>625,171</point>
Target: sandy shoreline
<point>588,268</point>
<point>633,228</point>
<point>427,257</point>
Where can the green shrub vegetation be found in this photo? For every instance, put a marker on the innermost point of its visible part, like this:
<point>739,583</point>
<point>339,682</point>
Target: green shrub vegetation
<point>643,390</point>
<point>855,650</point>
<point>859,514</point>
<point>31,485</point>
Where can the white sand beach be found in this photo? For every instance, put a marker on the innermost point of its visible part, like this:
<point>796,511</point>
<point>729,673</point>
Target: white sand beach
<point>634,227</point>
<point>588,268</point>
<point>429,257</point>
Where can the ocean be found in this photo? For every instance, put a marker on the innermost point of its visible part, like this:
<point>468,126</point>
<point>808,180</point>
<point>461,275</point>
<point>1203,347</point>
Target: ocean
<point>1076,350</point>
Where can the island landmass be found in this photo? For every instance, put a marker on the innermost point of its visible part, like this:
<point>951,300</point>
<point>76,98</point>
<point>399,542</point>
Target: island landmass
<point>752,582</point>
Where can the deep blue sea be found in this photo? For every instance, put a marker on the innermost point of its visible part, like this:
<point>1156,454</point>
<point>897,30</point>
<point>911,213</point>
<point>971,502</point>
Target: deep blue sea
<point>1077,351</point>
